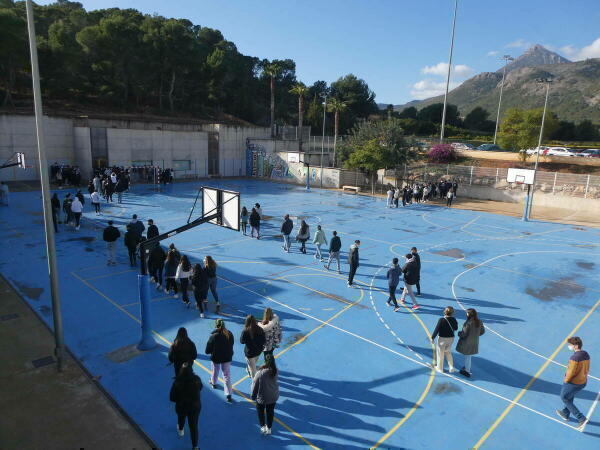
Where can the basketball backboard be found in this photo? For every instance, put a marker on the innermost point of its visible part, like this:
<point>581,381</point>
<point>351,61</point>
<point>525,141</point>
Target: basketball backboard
<point>228,201</point>
<point>520,176</point>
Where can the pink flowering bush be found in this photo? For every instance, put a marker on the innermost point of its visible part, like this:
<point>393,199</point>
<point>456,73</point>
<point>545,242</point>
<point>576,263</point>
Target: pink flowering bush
<point>441,153</point>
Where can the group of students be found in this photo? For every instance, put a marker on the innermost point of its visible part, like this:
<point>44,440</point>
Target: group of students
<point>259,338</point>
<point>72,209</point>
<point>418,192</point>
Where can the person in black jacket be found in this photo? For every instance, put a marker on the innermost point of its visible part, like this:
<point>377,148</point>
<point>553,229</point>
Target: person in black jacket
<point>185,393</point>
<point>353,260</point>
<point>220,349</point>
<point>131,239</point>
<point>286,229</point>
<point>253,337</point>
<point>415,254</point>
<point>110,236</point>
<point>411,275</point>
<point>200,287</point>
<point>55,202</point>
<point>335,245</point>
<point>156,264</point>
<point>152,229</point>
<point>445,328</point>
<point>183,350</point>
<point>254,220</point>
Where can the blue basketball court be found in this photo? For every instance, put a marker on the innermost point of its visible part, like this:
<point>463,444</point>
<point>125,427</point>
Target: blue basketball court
<point>353,373</point>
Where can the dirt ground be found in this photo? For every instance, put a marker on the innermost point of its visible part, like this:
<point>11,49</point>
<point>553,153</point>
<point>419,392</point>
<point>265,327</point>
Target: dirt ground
<point>45,409</point>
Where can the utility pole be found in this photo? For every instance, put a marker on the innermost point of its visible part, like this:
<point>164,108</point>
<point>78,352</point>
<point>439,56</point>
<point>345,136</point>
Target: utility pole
<point>506,58</point>
<point>323,137</point>
<point>448,76</point>
<point>45,185</point>
<point>547,82</point>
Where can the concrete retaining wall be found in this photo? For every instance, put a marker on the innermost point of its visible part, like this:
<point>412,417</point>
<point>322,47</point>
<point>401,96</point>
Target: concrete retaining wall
<point>17,134</point>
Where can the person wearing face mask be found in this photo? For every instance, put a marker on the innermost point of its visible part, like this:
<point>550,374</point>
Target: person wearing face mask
<point>353,261</point>
<point>574,381</point>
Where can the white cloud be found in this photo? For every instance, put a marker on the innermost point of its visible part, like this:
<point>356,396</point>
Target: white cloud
<point>460,70</point>
<point>519,43</point>
<point>428,88</point>
<point>578,54</point>
<point>493,53</point>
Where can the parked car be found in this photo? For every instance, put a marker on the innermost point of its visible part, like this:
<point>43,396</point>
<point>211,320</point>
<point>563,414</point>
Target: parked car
<point>590,153</point>
<point>489,148</point>
<point>462,146</point>
<point>533,151</point>
<point>560,151</point>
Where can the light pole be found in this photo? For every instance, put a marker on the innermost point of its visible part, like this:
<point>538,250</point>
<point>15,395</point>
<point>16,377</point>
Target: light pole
<point>323,137</point>
<point>547,82</point>
<point>45,185</point>
<point>448,76</point>
<point>506,58</point>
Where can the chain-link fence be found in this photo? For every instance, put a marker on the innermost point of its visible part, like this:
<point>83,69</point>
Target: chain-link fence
<point>569,184</point>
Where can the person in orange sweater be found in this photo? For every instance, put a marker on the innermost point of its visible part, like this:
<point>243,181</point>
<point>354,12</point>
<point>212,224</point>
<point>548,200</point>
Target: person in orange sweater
<point>575,380</point>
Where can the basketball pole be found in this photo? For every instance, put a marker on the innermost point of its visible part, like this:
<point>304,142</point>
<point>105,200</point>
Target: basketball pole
<point>59,341</point>
<point>526,207</point>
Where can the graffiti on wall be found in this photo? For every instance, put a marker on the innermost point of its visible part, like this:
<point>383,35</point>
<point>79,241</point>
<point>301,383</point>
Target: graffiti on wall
<point>260,163</point>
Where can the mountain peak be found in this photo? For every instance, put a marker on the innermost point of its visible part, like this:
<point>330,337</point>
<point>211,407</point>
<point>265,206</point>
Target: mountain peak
<point>537,55</point>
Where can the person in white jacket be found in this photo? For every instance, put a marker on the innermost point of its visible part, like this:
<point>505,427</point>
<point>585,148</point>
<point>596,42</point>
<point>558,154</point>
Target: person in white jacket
<point>319,240</point>
<point>76,209</point>
<point>272,328</point>
<point>96,201</point>
<point>184,272</point>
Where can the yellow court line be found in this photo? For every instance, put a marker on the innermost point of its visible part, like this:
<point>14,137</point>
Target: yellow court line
<point>284,425</point>
<point>533,379</point>
<point>431,375</point>
<point>318,327</point>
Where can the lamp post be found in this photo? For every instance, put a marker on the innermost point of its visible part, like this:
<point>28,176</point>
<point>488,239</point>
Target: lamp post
<point>448,76</point>
<point>506,58</point>
<point>323,137</point>
<point>547,82</point>
<point>45,185</point>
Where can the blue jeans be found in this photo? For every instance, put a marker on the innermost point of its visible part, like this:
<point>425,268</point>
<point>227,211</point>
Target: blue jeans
<point>567,395</point>
<point>286,242</point>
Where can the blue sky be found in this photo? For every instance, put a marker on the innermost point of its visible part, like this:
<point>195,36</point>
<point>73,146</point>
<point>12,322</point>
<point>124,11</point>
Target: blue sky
<point>394,45</point>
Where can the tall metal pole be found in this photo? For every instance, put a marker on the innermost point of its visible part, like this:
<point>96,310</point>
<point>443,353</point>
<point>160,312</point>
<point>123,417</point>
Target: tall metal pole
<point>448,76</point>
<point>45,184</point>
<point>323,137</point>
<point>506,59</point>
<point>537,157</point>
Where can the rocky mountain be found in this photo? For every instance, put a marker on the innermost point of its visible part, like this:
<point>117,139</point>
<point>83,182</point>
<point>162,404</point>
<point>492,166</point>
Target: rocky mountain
<point>535,56</point>
<point>574,93</point>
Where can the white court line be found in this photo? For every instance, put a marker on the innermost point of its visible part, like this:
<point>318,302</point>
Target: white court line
<point>381,318</point>
<point>425,365</point>
<point>491,329</point>
<point>591,411</point>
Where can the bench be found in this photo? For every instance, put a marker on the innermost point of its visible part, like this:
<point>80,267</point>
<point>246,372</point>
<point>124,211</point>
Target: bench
<point>354,189</point>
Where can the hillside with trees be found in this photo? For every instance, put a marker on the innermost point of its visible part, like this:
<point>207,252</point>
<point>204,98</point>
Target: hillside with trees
<point>122,61</point>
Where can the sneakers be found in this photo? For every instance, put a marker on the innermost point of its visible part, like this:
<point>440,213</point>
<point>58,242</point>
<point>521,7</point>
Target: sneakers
<point>267,431</point>
<point>451,370</point>
<point>152,280</point>
<point>166,291</point>
<point>175,295</point>
<point>465,373</point>
<point>562,415</point>
<point>396,309</point>
<point>415,307</point>
<point>157,287</point>
<point>179,432</point>
<point>214,386</point>
<point>229,399</point>
<point>263,429</point>
<point>326,267</point>
<point>582,424</point>
<point>202,315</point>
<point>77,227</point>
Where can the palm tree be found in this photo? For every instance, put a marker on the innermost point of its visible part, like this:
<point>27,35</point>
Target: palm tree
<point>300,90</point>
<point>336,106</point>
<point>272,70</point>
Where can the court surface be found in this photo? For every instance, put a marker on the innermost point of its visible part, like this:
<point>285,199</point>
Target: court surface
<point>353,373</point>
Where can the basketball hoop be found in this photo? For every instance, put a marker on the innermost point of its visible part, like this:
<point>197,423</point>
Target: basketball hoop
<point>520,179</point>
